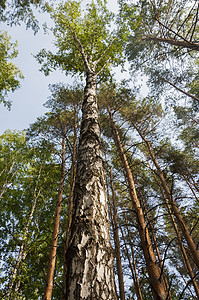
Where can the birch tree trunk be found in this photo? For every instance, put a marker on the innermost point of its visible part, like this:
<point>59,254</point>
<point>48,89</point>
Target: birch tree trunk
<point>89,258</point>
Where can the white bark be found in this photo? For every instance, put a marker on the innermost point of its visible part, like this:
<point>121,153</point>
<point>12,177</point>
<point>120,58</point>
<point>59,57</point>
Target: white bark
<point>89,257</point>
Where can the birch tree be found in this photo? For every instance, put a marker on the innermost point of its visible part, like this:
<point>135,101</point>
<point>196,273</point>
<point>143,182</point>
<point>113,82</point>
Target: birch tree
<point>87,46</point>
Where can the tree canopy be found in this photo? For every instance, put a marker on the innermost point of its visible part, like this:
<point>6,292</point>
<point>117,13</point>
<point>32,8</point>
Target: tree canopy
<point>10,73</point>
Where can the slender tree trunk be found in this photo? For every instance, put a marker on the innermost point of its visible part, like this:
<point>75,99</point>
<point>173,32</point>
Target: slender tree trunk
<point>151,228</point>
<point>70,200</point>
<point>191,188</point>
<point>194,183</point>
<point>53,249</point>
<point>18,283</point>
<point>113,212</point>
<point>14,274</point>
<point>156,281</point>
<point>8,182</point>
<point>180,221</point>
<point>89,273</point>
<point>132,267</point>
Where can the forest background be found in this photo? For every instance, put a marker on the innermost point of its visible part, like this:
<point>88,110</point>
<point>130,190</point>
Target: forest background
<point>150,150</point>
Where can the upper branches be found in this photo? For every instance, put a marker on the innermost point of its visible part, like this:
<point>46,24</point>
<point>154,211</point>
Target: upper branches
<point>84,40</point>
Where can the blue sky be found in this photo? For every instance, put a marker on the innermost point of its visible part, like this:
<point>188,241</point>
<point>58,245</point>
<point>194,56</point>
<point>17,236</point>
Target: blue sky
<point>27,102</point>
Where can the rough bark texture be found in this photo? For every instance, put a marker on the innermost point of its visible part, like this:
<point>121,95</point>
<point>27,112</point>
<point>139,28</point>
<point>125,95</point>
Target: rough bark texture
<point>53,249</point>
<point>89,273</point>
<point>156,281</point>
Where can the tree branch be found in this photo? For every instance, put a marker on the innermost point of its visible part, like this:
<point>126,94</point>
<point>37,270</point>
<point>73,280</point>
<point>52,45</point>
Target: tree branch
<point>184,43</point>
<point>104,66</point>
<point>103,54</point>
<point>80,48</point>
<point>176,34</point>
<point>180,90</point>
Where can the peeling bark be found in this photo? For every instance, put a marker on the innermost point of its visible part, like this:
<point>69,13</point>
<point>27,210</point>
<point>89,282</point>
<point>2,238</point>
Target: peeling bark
<point>89,258</point>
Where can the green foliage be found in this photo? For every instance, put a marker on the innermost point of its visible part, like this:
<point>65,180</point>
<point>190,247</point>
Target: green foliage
<point>88,40</point>
<point>154,26</point>
<point>84,40</point>
<point>10,74</point>
<point>187,122</point>
<point>13,12</point>
<point>34,175</point>
<point>3,4</point>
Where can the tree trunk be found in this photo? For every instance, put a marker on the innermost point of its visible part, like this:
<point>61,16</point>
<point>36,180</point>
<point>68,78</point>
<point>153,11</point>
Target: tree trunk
<point>194,183</point>
<point>116,240</point>
<point>132,267</point>
<point>180,221</point>
<point>70,200</point>
<point>183,252</point>
<point>151,228</point>
<point>158,288</point>
<point>191,188</point>
<point>89,257</point>
<point>18,283</point>
<point>9,181</point>
<point>53,249</point>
